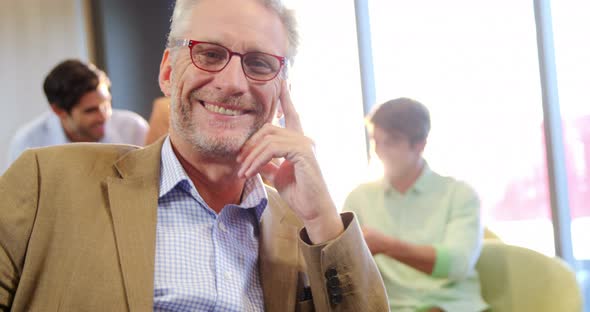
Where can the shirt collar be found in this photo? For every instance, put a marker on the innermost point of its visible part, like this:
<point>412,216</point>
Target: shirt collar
<point>420,186</point>
<point>254,195</point>
<point>423,180</point>
<point>173,175</point>
<point>172,172</point>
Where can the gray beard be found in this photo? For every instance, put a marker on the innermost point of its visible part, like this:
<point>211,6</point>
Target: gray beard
<point>224,147</point>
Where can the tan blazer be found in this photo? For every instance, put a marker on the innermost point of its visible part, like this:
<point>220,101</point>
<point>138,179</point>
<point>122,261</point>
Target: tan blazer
<point>78,227</point>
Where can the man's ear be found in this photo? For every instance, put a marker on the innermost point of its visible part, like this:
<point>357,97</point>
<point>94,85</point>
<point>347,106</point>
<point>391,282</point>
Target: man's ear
<point>60,112</point>
<point>421,145</point>
<point>165,73</point>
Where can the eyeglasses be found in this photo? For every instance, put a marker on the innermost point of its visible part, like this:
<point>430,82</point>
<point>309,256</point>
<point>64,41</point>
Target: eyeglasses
<point>213,57</point>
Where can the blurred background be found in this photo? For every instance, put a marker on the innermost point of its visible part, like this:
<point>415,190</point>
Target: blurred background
<point>506,82</point>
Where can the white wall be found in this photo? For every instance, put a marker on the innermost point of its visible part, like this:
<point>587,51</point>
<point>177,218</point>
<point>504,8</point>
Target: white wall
<point>35,35</point>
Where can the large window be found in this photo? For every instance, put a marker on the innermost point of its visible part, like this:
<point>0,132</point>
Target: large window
<point>571,20</point>
<point>571,24</point>
<point>474,64</point>
<point>326,91</point>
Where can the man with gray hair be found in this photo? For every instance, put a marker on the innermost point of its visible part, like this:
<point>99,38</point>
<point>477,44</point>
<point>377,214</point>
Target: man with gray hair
<point>186,224</point>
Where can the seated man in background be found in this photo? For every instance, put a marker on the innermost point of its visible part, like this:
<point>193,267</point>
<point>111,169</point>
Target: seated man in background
<point>79,96</point>
<point>423,229</point>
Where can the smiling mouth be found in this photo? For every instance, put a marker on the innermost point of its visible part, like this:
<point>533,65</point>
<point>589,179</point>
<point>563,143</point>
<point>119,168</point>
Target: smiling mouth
<point>223,110</point>
<point>98,126</point>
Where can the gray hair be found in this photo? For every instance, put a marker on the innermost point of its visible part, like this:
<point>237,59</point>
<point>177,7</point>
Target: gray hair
<point>287,16</point>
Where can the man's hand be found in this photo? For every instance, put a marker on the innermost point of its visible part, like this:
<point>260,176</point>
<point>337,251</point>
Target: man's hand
<point>375,240</point>
<point>298,179</point>
<point>419,257</point>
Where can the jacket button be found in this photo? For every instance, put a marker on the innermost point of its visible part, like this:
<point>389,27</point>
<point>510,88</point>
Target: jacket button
<point>336,299</point>
<point>337,291</point>
<point>333,282</point>
<point>331,272</point>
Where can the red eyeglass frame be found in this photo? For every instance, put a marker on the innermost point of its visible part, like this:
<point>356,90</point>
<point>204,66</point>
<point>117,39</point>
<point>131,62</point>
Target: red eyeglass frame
<point>192,43</point>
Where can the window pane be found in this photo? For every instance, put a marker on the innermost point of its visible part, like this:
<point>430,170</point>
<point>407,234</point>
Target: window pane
<point>474,64</point>
<point>326,91</point>
<point>571,25</point>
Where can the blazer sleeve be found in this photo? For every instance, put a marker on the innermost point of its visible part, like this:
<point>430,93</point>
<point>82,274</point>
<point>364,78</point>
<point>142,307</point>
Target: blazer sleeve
<point>18,207</point>
<point>342,273</point>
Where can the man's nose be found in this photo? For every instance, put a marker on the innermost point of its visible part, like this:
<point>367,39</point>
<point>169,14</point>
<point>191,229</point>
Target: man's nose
<point>105,112</point>
<point>232,79</point>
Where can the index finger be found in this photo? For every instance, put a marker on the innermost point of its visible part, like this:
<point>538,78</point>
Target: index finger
<point>291,116</point>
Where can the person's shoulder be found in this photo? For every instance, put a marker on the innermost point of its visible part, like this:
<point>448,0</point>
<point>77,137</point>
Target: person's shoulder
<point>368,187</point>
<point>126,127</point>
<point>363,193</point>
<point>126,116</point>
<point>442,179</point>
<point>454,185</point>
<point>35,133</point>
<point>123,113</point>
<point>85,152</point>
<point>73,160</point>
<point>33,128</point>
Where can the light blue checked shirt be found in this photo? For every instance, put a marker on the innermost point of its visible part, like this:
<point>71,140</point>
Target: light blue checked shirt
<point>205,261</point>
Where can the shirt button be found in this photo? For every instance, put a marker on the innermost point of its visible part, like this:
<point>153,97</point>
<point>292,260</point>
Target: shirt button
<point>222,227</point>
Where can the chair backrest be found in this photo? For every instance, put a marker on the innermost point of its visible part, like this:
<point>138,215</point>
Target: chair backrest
<point>489,235</point>
<point>519,279</point>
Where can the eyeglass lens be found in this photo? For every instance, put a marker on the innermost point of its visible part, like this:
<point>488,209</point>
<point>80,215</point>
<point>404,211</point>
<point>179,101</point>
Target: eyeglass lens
<point>256,65</point>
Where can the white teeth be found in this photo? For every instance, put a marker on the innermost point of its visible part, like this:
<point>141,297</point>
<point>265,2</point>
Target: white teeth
<point>222,111</point>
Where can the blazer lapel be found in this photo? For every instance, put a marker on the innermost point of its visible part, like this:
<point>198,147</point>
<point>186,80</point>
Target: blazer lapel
<point>133,200</point>
<point>279,255</point>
